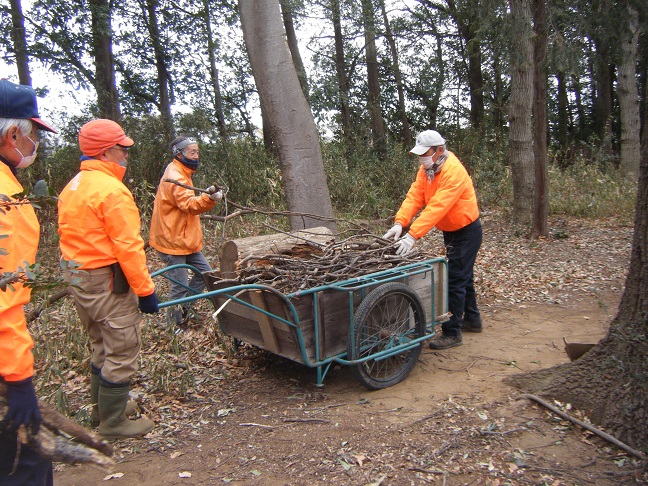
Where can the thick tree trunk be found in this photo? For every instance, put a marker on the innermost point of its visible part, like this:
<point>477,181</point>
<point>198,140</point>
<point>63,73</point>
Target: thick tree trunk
<point>541,193</point>
<point>105,85</point>
<point>610,382</point>
<point>340,68</point>
<point>628,96</point>
<point>373,80</point>
<point>406,134</point>
<point>520,108</point>
<point>290,119</point>
<point>19,42</point>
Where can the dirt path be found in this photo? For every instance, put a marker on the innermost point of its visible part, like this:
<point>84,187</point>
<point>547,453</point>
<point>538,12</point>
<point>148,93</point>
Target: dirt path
<point>452,421</point>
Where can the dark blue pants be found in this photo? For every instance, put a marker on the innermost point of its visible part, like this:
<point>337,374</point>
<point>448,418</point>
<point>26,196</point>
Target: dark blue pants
<point>461,250</point>
<point>32,469</point>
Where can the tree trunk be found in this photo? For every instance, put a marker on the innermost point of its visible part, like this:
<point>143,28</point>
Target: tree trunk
<point>580,109</point>
<point>340,68</point>
<point>373,80</point>
<point>19,42</point>
<point>520,109</point>
<point>629,97</point>
<point>563,114</point>
<point>290,119</point>
<point>213,71</point>
<point>291,37</point>
<point>610,382</point>
<point>498,105</point>
<point>163,77</point>
<point>105,84</point>
<point>402,110</point>
<point>541,193</point>
<point>603,107</point>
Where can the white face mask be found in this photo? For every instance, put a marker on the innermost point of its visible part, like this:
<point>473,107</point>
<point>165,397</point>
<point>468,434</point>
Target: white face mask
<point>426,161</point>
<point>28,160</point>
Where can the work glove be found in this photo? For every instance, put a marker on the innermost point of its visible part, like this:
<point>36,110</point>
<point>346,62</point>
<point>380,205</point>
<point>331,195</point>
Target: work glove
<point>214,193</point>
<point>22,406</point>
<point>405,244</point>
<point>149,304</point>
<point>394,233</point>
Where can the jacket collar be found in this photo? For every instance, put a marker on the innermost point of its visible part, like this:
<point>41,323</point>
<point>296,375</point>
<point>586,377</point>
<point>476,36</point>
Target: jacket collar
<point>106,167</point>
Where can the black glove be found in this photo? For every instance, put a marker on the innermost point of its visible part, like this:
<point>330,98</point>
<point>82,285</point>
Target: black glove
<point>22,406</point>
<point>149,304</point>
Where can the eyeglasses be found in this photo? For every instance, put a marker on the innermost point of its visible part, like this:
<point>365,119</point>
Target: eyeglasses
<point>122,148</point>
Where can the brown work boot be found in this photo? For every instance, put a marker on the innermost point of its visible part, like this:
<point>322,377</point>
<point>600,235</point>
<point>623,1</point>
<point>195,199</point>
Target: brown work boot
<point>113,423</point>
<point>445,342</point>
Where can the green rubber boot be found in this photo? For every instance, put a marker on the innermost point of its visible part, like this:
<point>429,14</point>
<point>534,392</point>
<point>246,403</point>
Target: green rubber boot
<point>113,423</point>
<point>95,380</point>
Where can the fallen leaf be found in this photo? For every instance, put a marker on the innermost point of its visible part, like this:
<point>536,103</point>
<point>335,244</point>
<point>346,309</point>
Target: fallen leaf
<point>113,476</point>
<point>184,474</point>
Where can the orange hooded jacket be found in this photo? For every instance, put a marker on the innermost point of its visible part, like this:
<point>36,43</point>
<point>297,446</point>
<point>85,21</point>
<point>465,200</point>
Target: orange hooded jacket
<point>175,223</point>
<point>20,226</point>
<point>448,202</point>
<point>99,224</point>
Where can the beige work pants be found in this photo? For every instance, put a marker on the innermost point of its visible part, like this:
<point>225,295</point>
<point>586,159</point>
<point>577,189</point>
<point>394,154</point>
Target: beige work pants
<point>112,321</point>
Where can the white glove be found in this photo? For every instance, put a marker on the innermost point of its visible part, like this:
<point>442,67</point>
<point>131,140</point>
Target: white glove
<point>214,194</point>
<point>394,232</point>
<point>404,245</point>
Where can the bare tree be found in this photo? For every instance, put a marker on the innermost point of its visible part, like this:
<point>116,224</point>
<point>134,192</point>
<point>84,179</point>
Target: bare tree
<point>520,109</point>
<point>340,67</point>
<point>628,95</point>
<point>373,79</point>
<point>213,70</point>
<point>291,36</point>
<point>541,192</point>
<point>289,116</point>
<point>406,134</point>
<point>107,96</point>
<point>19,42</point>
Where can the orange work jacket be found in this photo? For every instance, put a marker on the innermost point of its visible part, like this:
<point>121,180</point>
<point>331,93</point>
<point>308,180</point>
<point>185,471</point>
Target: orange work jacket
<point>175,223</point>
<point>99,224</point>
<point>20,226</point>
<point>448,202</point>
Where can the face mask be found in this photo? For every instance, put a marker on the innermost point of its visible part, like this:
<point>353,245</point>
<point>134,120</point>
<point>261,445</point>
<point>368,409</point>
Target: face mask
<point>191,163</point>
<point>28,160</point>
<point>426,162</point>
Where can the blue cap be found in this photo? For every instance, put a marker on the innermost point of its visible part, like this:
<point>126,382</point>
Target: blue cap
<point>19,101</point>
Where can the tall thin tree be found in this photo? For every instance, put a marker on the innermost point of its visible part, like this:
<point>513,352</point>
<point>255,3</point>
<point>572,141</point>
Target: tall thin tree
<point>19,42</point>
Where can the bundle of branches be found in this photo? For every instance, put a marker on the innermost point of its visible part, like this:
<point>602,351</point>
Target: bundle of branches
<point>61,439</point>
<point>312,264</point>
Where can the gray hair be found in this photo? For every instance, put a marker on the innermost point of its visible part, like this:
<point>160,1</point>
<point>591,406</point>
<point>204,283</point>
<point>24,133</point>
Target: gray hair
<point>23,124</point>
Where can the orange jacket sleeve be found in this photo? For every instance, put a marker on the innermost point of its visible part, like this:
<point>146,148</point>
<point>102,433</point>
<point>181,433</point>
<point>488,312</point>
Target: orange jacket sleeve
<point>20,227</point>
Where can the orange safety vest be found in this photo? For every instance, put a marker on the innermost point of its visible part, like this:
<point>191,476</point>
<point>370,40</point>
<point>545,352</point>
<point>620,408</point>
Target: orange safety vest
<point>99,224</point>
<point>175,223</point>
<point>20,226</point>
<point>448,202</point>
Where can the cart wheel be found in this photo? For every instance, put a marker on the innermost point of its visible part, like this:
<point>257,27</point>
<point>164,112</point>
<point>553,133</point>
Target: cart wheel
<point>390,315</point>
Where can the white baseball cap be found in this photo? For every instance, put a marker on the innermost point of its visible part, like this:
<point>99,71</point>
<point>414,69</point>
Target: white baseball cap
<point>425,140</point>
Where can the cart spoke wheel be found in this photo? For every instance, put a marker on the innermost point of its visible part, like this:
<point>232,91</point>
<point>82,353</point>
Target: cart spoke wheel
<point>391,315</point>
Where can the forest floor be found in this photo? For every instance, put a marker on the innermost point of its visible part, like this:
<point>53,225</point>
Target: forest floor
<point>255,418</point>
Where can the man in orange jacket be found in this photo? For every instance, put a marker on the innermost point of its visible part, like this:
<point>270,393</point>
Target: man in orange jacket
<point>444,195</point>
<point>99,226</point>
<point>19,140</point>
<point>175,230</point>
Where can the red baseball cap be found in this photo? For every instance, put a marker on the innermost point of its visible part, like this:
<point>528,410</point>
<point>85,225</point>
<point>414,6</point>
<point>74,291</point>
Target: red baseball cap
<point>101,134</point>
